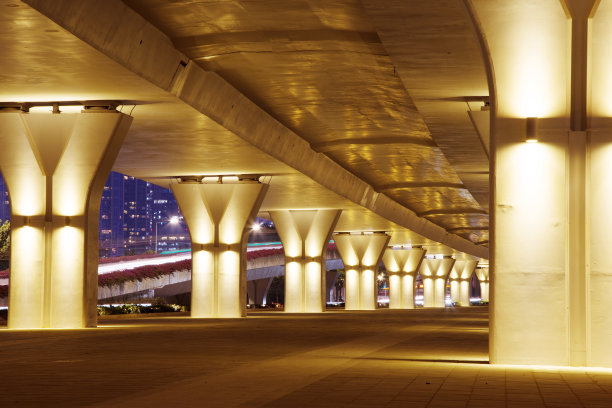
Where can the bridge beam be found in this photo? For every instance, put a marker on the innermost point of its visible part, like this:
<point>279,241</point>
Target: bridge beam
<point>361,255</point>
<point>219,217</point>
<point>305,235</point>
<point>402,265</point>
<point>55,166</point>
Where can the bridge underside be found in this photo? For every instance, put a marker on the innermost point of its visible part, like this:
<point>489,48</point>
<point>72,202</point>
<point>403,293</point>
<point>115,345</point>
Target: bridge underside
<point>394,126</point>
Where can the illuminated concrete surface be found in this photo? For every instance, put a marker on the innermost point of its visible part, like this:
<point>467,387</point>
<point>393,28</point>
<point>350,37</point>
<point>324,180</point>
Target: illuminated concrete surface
<point>305,236</point>
<point>55,166</point>
<point>460,277</point>
<point>286,120</point>
<point>384,358</point>
<point>483,278</point>
<point>361,255</point>
<point>393,112</point>
<point>434,273</point>
<point>402,265</point>
<point>219,218</point>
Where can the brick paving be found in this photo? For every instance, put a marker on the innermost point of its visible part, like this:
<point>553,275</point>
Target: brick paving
<point>384,358</point>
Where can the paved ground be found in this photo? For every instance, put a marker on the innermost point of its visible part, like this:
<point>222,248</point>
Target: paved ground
<point>417,358</point>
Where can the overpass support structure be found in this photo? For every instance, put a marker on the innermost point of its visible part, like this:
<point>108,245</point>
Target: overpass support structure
<point>55,166</point>
<point>305,235</point>
<point>257,289</point>
<point>219,217</point>
<point>434,273</point>
<point>402,265</point>
<point>361,254</point>
<point>483,278</point>
<point>551,85</point>
<point>460,279</point>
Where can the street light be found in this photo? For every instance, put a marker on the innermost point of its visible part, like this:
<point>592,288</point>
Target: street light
<point>172,220</point>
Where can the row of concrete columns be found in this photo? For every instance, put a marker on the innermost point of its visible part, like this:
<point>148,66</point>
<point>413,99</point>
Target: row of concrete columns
<point>55,167</point>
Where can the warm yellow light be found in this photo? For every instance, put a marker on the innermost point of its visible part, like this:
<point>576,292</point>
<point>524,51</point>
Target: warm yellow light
<point>27,277</point>
<point>228,276</point>
<point>530,56</point>
<point>41,109</point>
<point>534,194</point>
<point>312,283</point>
<point>67,278</point>
<point>202,283</point>
<point>601,62</point>
<point>256,227</point>
<point>71,109</point>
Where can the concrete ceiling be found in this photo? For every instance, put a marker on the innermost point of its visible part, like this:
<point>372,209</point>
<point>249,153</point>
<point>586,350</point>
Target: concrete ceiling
<point>345,104</point>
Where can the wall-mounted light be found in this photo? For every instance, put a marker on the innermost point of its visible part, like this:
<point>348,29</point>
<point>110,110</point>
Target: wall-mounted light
<point>531,134</point>
<point>60,106</point>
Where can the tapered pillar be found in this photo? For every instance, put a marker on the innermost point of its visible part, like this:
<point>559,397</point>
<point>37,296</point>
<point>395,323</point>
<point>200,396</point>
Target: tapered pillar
<point>460,277</point>
<point>402,265</point>
<point>55,166</point>
<point>305,235</point>
<point>361,255</point>
<point>257,289</point>
<point>434,273</point>
<point>330,280</point>
<point>482,274</point>
<point>219,218</point>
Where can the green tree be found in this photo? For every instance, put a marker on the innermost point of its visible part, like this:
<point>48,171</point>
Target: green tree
<point>5,240</point>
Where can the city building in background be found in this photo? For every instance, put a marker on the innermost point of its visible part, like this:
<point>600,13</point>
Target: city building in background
<point>138,217</point>
<point>5,208</point>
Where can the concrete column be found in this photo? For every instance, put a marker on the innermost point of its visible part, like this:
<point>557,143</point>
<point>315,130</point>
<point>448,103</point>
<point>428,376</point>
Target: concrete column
<point>402,265</point>
<point>305,235</point>
<point>55,166</point>
<point>330,282</point>
<point>460,277</point>
<point>219,218</point>
<point>434,273</point>
<point>361,255</point>
<point>541,192</point>
<point>483,277</point>
<point>597,285</point>
<point>257,290</point>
